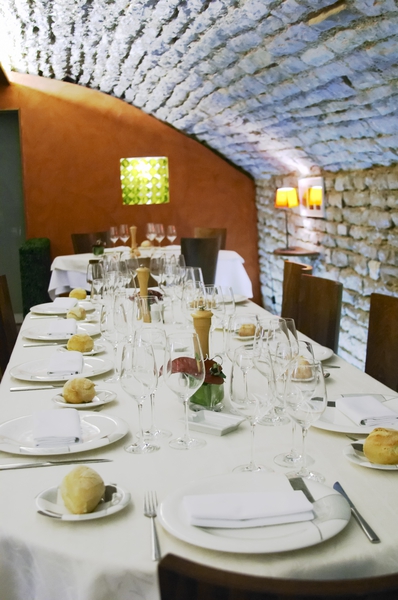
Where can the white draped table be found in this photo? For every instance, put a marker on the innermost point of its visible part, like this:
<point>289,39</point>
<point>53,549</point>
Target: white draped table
<point>46,559</point>
<point>68,272</point>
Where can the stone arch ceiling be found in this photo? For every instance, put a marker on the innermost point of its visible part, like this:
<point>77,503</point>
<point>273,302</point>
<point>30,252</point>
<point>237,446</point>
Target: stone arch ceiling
<point>275,87</point>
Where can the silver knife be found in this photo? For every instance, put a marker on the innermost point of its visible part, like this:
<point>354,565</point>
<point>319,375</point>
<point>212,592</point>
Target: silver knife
<point>366,528</point>
<point>298,483</point>
<point>41,344</point>
<point>29,388</point>
<point>52,463</point>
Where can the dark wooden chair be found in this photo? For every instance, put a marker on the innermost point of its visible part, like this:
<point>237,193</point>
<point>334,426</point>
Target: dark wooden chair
<point>181,579</point>
<point>382,345</point>
<point>84,242</point>
<point>291,288</point>
<point>220,232</point>
<point>320,310</point>
<point>203,253</point>
<point>8,328</point>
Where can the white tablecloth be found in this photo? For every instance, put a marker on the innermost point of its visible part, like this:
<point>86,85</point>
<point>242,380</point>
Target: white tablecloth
<point>43,558</point>
<point>69,271</point>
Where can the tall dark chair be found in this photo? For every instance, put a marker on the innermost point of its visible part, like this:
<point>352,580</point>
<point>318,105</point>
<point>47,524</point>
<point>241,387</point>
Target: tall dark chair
<point>202,252</point>
<point>382,345</point>
<point>291,288</point>
<point>182,579</point>
<point>220,232</point>
<point>84,242</point>
<point>320,310</point>
<point>8,328</point>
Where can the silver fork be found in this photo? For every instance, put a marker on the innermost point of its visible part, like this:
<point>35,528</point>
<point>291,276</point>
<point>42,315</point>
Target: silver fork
<point>150,505</point>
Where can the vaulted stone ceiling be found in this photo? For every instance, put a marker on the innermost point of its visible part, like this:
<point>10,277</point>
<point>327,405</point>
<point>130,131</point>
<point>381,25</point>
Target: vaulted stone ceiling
<point>275,87</point>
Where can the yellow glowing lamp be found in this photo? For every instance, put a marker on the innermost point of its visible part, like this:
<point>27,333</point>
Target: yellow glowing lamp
<point>315,196</point>
<point>286,197</point>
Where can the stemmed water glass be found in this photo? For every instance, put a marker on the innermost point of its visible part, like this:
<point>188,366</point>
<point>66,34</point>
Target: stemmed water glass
<point>109,333</point>
<point>156,267</point>
<point>150,231</point>
<point>184,373</point>
<point>139,378</point>
<point>114,234</point>
<point>241,329</point>
<point>193,299</point>
<point>159,231</point>
<point>157,339</point>
<point>306,400</point>
<point>171,233</point>
<point>124,233</point>
<point>251,394</point>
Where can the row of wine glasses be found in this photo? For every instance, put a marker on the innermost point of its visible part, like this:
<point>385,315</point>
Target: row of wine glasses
<point>121,232</point>
<point>156,231</point>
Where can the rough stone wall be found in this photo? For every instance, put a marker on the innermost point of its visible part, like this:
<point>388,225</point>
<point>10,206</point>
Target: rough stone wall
<point>358,245</point>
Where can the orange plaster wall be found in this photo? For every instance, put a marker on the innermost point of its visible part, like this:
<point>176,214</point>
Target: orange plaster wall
<point>72,140</point>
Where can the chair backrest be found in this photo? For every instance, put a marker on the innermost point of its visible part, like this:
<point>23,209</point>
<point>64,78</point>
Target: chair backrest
<point>181,579</point>
<point>291,288</point>
<point>8,328</point>
<point>203,253</point>
<point>203,232</point>
<point>84,242</point>
<point>382,345</point>
<point>320,310</point>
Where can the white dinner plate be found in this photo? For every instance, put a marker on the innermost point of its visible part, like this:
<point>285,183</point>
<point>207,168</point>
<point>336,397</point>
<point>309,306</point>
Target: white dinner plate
<point>321,352</point>
<point>98,348</point>
<point>50,504</point>
<point>48,308</point>
<point>97,430</point>
<point>36,370</point>
<point>101,397</point>
<point>334,420</point>
<point>332,510</point>
<point>40,332</point>
<point>358,458</point>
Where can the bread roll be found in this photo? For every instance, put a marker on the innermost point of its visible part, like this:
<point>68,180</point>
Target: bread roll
<point>80,342</point>
<point>81,490</point>
<point>381,446</point>
<point>146,244</point>
<point>78,390</point>
<point>78,293</point>
<point>77,312</point>
<point>246,330</point>
<point>302,370</point>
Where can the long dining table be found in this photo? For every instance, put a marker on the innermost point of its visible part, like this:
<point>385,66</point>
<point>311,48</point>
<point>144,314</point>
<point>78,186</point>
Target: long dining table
<point>43,558</point>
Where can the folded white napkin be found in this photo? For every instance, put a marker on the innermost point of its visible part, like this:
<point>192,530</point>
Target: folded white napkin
<point>65,363</point>
<point>65,302</point>
<point>247,509</point>
<point>56,427</point>
<point>67,326</point>
<point>366,410</point>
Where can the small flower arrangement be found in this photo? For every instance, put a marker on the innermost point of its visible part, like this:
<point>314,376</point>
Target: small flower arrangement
<point>211,393</point>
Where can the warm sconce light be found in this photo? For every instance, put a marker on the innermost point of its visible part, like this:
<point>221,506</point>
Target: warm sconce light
<point>312,197</point>
<point>286,198</point>
<point>145,180</point>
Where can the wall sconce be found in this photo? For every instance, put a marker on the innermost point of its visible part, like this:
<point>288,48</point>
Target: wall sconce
<point>145,180</point>
<point>286,198</point>
<point>312,197</point>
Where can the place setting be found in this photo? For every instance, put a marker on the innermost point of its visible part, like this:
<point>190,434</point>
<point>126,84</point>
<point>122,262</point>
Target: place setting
<point>60,330</point>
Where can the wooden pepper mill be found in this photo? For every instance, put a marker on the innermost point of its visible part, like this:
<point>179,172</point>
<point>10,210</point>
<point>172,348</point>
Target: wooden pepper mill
<point>133,236</point>
<point>202,324</point>
<point>143,278</point>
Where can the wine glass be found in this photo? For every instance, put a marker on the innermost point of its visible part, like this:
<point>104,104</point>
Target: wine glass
<point>150,231</point>
<point>159,231</point>
<point>215,303</point>
<point>193,299</point>
<point>139,378</point>
<point>242,329</point>
<point>184,373</point>
<point>156,267</point>
<point>110,334</point>
<point>171,233</point>
<point>305,402</point>
<point>157,339</point>
<point>251,394</point>
<point>147,310</point>
<point>124,233</point>
<point>96,294</point>
<point>193,274</point>
<point>95,270</point>
<point>114,234</point>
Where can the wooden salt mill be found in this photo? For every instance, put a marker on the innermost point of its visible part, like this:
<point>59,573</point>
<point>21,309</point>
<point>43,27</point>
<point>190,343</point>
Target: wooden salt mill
<point>202,324</point>
<point>133,236</point>
<point>143,278</point>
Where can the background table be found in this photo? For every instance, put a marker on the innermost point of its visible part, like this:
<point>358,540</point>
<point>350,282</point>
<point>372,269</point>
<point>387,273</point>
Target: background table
<point>68,272</point>
<point>43,558</point>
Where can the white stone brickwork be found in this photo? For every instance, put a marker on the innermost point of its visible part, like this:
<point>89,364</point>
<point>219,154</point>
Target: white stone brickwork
<point>358,245</point>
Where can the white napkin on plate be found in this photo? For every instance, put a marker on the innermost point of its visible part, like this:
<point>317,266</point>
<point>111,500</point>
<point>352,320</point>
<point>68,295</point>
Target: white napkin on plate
<point>67,326</point>
<point>56,427</point>
<point>239,510</point>
<point>366,410</point>
<point>66,363</point>
<point>65,302</point>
